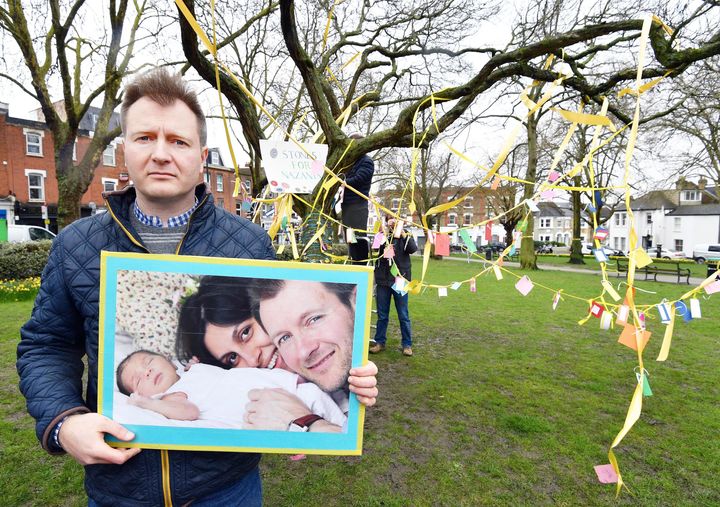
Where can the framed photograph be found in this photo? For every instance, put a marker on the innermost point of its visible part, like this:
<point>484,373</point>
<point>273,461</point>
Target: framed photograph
<point>203,353</point>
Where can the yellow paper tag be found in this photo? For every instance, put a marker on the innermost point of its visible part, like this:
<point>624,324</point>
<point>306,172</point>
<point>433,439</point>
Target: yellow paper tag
<point>498,273</point>
<point>610,290</point>
<point>642,258</point>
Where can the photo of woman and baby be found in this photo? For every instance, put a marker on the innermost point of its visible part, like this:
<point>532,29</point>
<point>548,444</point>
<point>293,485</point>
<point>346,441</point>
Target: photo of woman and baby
<point>248,353</point>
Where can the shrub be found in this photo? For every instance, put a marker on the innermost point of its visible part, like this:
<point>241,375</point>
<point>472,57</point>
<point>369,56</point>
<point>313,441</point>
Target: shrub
<point>23,260</point>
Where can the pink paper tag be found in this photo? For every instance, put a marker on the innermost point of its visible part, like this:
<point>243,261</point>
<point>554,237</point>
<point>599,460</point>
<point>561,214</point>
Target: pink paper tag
<point>547,195</point>
<point>297,457</point>
<point>389,252</point>
<point>553,176</point>
<point>378,240</point>
<point>712,288</point>
<point>606,474</point>
<point>524,285</point>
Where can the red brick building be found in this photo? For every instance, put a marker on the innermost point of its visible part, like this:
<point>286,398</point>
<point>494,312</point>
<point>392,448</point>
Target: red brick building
<point>27,171</point>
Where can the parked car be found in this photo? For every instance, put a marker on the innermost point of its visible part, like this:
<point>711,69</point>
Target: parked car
<point>615,252</point>
<point>544,249</point>
<point>496,246</point>
<point>20,233</point>
<point>586,248</point>
<point>706,252</point>
<point>666,254</point>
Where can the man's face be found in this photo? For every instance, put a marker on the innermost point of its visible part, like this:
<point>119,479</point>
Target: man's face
<point>148,374</point>
<point>163,152</point>
<point>313,331</point>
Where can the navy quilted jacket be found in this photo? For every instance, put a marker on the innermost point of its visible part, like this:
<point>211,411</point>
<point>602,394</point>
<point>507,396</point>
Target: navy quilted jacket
<point>64,327</point>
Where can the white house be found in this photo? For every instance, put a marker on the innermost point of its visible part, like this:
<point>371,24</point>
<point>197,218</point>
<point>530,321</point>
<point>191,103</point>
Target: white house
<point>554,223</point>
<point>676,219</point>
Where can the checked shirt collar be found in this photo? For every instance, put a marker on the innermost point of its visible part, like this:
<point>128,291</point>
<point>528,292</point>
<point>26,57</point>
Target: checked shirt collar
<point>154,221</point>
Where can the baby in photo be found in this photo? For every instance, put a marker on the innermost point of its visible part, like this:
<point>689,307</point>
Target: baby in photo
<point>211,393</point>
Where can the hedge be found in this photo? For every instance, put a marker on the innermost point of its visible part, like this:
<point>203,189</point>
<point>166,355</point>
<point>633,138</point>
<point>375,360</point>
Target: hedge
<point>23,260</point>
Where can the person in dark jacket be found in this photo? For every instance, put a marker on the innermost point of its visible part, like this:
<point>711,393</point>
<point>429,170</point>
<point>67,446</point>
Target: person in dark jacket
<point>355,207</point>
<point>166,211</point>
<point>402,246</point>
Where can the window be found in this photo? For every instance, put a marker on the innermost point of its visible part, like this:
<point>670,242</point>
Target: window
<point>109,184</point>
<point>248,185</point>
<point>219,184</point>
<point>36,184</point>
<point>214,158</point>
<point>677,224</point>
<point>545,223</point>
<point>238,208</point>
<point>33,143</point>
<point>39,234</point>
<point>620,218</point>
<point>616,243</point>
<point>467,219</point>
<point>691,195</point>
<point>678,245</point>
<point>109,155</point>
<point>622,244</point>
<point>649,218</point>
<point>395,204</point>
<point>545,238</point>
<point>468,203</point>
<point>452,219</point>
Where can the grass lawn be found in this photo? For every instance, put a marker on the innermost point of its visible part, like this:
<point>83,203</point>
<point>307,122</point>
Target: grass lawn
<point>504,403</point>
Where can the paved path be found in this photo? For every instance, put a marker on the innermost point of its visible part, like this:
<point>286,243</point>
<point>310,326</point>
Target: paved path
<point>559,267</point>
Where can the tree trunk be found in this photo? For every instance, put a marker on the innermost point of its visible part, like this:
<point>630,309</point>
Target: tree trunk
<point>528,259</point>
<point>576,256</point>
<point>69,196</point>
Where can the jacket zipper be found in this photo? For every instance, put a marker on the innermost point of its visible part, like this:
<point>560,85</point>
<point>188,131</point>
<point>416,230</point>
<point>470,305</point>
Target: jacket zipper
<point>165,466</point>
<point>177,250</point>
<point>132,238</point>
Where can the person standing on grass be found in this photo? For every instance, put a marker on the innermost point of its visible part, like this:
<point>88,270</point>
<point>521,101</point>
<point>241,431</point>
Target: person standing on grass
<point>355,207</point>
<point>403,245</point>
<point>167,210</point>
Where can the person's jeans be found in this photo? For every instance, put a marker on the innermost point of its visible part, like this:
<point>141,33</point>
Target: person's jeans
<point>382,298</point>
<point>246,492</point>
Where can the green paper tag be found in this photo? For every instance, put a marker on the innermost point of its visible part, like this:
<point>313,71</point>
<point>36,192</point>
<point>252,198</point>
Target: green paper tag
<point>646,386</point>
<point>394,270</point>
<point>468,241</point>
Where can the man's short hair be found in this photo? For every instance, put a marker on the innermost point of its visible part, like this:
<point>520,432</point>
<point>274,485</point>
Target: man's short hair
<point>160,86</point>
<point>345,293</point>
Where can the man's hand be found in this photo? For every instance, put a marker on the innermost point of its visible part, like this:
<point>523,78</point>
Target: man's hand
<point>364,384</point>
<point>272,409</point>
<point>82,437</point>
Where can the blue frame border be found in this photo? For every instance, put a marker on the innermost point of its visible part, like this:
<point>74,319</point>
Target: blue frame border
<point>164,437</point>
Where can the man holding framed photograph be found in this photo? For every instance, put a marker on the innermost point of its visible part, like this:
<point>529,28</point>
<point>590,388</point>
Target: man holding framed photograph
<point>166,211</point>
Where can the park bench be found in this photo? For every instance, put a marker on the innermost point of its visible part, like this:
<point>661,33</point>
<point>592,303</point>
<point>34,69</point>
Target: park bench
<point>664,268</point>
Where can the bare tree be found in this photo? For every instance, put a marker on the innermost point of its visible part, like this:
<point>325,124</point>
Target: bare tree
<point>61,58</point>
<point>698,134</point>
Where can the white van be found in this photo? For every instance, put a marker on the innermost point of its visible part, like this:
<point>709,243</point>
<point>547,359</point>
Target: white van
<point>20,233</point>
<point>706,252</point>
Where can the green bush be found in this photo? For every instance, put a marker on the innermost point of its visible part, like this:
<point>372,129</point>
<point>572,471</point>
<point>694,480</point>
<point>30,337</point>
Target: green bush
<point>23,260</point>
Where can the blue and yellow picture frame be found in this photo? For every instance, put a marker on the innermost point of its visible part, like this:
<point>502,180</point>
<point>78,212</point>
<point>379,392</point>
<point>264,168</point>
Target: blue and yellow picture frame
<point>142,292</point>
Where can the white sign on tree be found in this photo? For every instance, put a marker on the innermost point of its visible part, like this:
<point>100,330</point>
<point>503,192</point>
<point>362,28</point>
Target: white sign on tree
<point>289,169</point>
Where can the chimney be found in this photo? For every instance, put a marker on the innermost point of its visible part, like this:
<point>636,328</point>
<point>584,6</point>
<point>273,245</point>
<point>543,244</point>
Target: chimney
<point>680,183</point>
<point>4,108</point>
<point>702,184</point>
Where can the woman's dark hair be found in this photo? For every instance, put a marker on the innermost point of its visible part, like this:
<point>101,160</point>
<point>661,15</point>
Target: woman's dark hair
<point>221,301</point>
